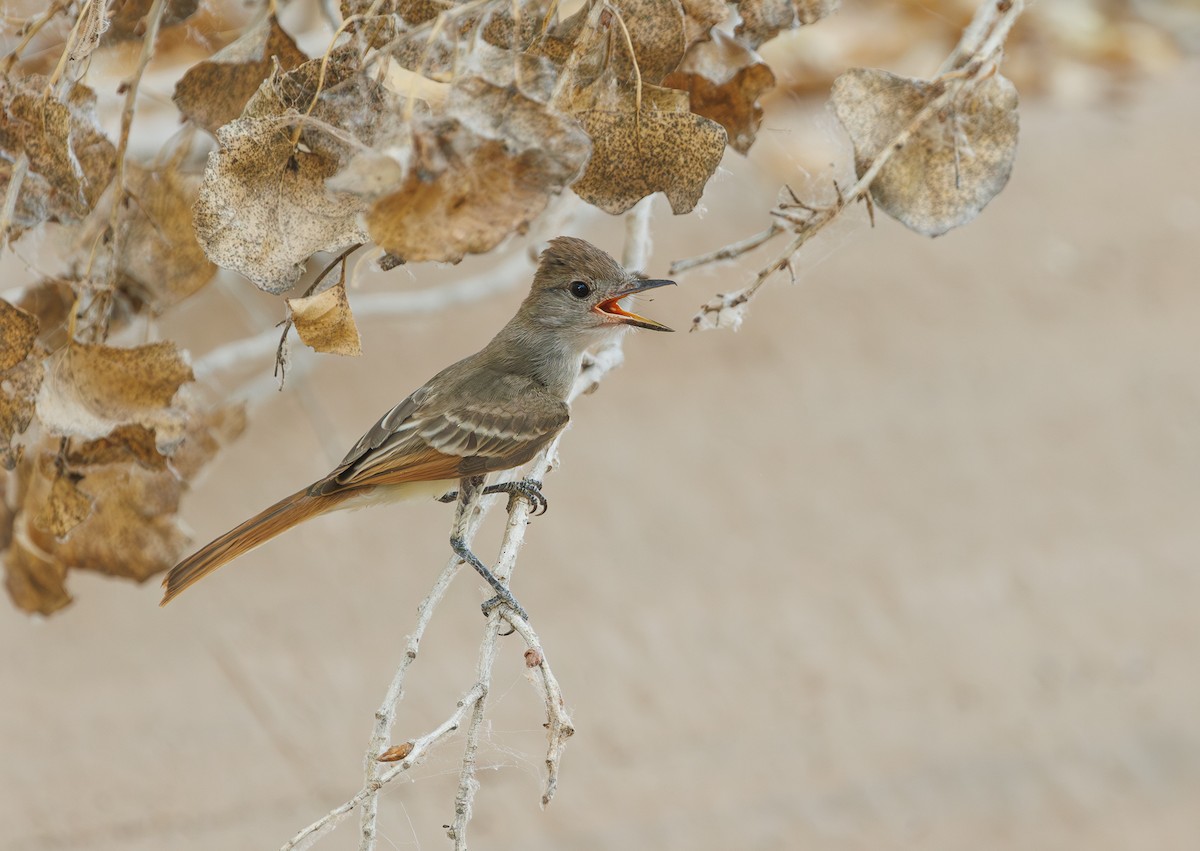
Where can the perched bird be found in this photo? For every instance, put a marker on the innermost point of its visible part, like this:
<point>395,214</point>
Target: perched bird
<point>493,410</point>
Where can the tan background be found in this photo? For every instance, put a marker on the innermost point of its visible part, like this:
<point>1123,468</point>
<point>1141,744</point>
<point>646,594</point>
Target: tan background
<point>909,562</point>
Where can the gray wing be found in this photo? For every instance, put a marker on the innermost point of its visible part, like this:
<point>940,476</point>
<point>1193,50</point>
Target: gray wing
<point>489,422</point>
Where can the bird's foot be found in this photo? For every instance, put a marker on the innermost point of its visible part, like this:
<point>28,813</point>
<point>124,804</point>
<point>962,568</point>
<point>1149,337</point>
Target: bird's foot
<point>503,596</point>
<point>527,489</point>
<point>505,599</point>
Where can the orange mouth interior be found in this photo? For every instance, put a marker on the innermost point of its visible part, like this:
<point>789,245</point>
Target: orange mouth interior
<point>612,308</point>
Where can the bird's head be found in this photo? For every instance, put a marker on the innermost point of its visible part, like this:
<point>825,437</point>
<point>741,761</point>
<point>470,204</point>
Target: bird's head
<point>579,289</point>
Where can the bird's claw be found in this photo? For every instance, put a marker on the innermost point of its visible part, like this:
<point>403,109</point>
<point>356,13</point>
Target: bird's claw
<point>528,489</point>
<point>505,599</point>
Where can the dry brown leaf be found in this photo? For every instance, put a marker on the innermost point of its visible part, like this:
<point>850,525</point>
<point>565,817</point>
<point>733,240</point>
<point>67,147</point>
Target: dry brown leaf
<point>264,208</point>
<point>18,391</point>
<point>108,505</point>
<point>954,165</point>
<point>35,581</point>
<point>215,91</point>
<point>128,17</point>
<point>51,301</point>
<point>71,161</point>
<point>762,20</point>
<point>325,323</point>
<point>125,444</point>
<point>161,263</point>
<point>657,32</point>
<point>483,172</point>
<point>700,16</point>
<point>132,531</point>
<point>66,506</point>
<point>92,389</point>
<point>18,333</point>
<point>724,80</point>
<point>664,149</point>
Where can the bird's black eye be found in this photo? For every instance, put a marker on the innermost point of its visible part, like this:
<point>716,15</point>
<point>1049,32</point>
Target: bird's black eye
<point>580,290</point>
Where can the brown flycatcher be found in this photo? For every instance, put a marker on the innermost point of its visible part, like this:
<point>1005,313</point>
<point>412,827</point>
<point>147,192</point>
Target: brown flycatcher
<point>491,411</point>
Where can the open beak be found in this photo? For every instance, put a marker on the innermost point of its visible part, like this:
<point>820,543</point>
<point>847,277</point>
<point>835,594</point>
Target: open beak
<point>611,307</point>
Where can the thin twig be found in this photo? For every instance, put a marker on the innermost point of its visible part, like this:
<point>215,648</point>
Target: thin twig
<point>728,252</point>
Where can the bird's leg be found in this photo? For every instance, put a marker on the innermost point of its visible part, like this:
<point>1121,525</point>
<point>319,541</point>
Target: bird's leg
<point>468,492</point>
<point>529,489</point>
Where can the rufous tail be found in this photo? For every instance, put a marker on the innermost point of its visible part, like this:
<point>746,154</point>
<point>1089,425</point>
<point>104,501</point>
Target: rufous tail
<point>255,532</point>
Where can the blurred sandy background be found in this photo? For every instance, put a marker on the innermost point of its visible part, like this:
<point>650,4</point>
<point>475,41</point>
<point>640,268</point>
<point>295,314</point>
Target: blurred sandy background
<point>911,561</point>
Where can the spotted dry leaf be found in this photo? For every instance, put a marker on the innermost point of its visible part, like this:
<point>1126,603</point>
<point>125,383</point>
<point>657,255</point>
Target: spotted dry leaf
<point>762,20</point>
<point>66,506</point>
<point>325,323</point>
<point>20,377</point>
<point>70,159</point>
<point>955,164</point>
<point>18,333</point>
<point>664,148</point>
<point>92,389</point>
<point>264,208</point>
<point>481,173</point>
<point>700,16</point>
<point>124,444</point>
<point>161,262</point>
<point>656,30</point>
<point>215,91</point>
<point>724,80</point>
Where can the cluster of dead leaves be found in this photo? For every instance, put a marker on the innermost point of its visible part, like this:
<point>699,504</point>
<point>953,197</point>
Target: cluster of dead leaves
<point>436,130</point>
<point>119,434</point>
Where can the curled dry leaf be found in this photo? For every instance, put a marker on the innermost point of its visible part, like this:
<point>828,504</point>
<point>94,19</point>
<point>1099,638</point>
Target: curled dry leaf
<point>161,262</point>
<point>724,80</point>
<point>396,752</point>
<point>762,20</point>
<point>35,581</point>
<point>215,91</point>
<point>482,172</point>
<point>325,323</point>
<point>92,389</point>
<point>264,208</point>
<point>664,148</point>
<point>955,163</point>
<point>71,161</point>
